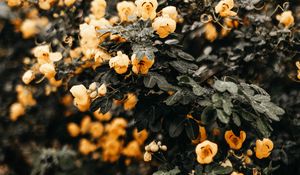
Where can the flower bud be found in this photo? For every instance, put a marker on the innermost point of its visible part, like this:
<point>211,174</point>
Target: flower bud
<point>147,156</point>
<point>48,70</point>
<point>28,76</point>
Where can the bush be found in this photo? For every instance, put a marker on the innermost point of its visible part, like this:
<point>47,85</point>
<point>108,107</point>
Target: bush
<point>149,87</point>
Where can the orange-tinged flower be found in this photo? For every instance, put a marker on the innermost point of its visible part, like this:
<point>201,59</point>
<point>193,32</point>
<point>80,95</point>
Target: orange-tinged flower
<point>48,70</point>
<point>69,2</point>
<point>141,66</point>
<point>224,8</point>
<point>25,96</point>
<point>170,11</point>
<point>130,101</point>
<point>111,150</point>
<point>141,136</point>
<point>147,156</point>
<point>86,147</point>
<point>46,4</point>
<point>210,32</point>
<point>263,148</point>
<point>132,150</point>
<point>73,129</point>
<point>286,18</point>
<point>85,124</point>
<point>98,8</point>
<point>235,142</point>
<point>201,137</point>
<point>206,151</point>
<point>13,3</point>
<point>28,76</point>
<point>126,11</point>
<point>102,117</point>
<point>146,8</point>
<point>16,110</point>
<point>96,129</point>
<point>81,97</point>
<point>119,63</point>
<point>164,25</point>
<point>236,173</point>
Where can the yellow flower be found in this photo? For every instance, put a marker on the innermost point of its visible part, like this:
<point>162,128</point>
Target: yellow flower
<point>286,18</point>
<point>28,76</point>
<point>210,32</point>
<point>141,66</point>
<point>126,11</point>
<point>48,70</point>
<point>235,142</point>
<point>29,28</point>
<point>69,2</point>
<point>73,129</point>
<point>206,151</point>
<point>25,96</point>
<point>86,147</point>
<point>132,150</point>
<point>263,148</point>
<point>46,4</point>
<point>96,129</point>
<point>130,101</point>
<point>119,63</point>
<point>102,117</point>
<point>201,137</point>
<point>111,150</point>
<point>13,3</point>
<point>98,8</point>
<point>85,124</point>
<point>164,25</point>
<point>16,110</point>
<point>229,24</point>
<point>236,173</point>
<point>147,156</point>
<point>141,136</point>
<point>224,8</point>
<point>146,8</point>
<point>81,97</point>
<point>170,11</point>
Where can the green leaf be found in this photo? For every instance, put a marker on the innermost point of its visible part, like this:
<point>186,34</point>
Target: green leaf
<point>262,98</point>
<point>222,116</point>
<point>154,78</point>
<point>227,105</point>
<point>222,170</point>
<point>191,129</point>
<point>183,66</point>
<point>174,98</point>
<point>185,55</point>
<point>197,89</point>
<point>262,128</point>
<point>174,171</point>
<point>222,86</point>
<point>208,115</point>
<point>236,119</point>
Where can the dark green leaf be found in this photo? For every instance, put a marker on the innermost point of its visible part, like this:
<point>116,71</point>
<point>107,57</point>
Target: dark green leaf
<point>176,127</point>
<point>222,116</point>
<point>191,129</point>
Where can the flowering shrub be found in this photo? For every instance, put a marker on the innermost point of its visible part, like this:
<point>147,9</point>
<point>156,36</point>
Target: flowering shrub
<point>169,87</point>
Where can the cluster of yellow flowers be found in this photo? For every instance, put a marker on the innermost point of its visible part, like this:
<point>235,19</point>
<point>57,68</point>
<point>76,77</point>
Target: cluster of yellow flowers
<point>121,62</point>
<point>108,136</point>
<point>25,99</point>
<point>44,65</point>
<point>152,148</point>
<point>206,150</point>
<point>83,97</point>
<point>43,4</point>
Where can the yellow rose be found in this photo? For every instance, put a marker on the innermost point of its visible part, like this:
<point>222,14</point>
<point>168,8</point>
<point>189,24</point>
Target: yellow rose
<point>263,148</point>
<point>126,11</point>
<point>119,63</point>
<point>206,151</point>
<point>235,142</point>
<point>146,8</point>
<point>164,26</point>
